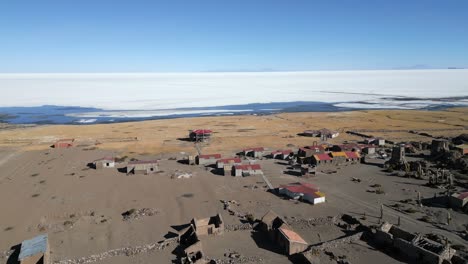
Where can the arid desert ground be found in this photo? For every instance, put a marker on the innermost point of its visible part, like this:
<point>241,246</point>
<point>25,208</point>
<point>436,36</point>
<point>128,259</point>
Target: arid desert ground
<point>53,191</point>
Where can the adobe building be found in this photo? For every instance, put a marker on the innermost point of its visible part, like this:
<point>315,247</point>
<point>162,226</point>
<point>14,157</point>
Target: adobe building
<point>321,159</point>
<point>323,133</point>
<point>290,241</point>
<point>200,135</point>
<point>439,146</point>
<point>352,156</point>
<point>209,226</point>
<point>35,251</point>
<point>339,157</point>
<point>143,167</point>
<point>207,159</point>
<point>228,161</point>
<point>463,149</point>
<point>346,147</point>
<point>247,170</point>
<point>64,143</point>
<point>257,152</point>
<point>282,154</point>
<point>105,162</point>
<point>413,246</point>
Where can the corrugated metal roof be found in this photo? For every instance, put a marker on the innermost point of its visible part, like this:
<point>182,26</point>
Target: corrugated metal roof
<point>292,236</point>
<point>352,155</point>
<point>338,154</point>
<point>210,156</point>
<point>202,131</point>
<point>33,246</point>
<point>227,160</point>
<point>143,162</point>
<point>323,156</point>
<point>248,167</point>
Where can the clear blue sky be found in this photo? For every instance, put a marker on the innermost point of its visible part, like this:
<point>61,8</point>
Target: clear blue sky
<point>230,35</point>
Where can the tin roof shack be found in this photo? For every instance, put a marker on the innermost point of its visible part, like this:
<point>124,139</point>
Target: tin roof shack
<point>463,149</point>
<point>200,135</point>
<point>321,159</point>
<point>105,162</point>
<point>228,161</point>
<point>247,170</point>
<point>64,143</point>
<point>459,200</point>
<point>209,226</point>
<point>254,152</point>
<point>413,246</point>
<point>35,251</point>
<point>207,159</point>
<point>143,167</point>
<point>368,149</point>
<point>304,191</point>
<point>291,242</point>
<point>282,154</point>
<point>352,157</point>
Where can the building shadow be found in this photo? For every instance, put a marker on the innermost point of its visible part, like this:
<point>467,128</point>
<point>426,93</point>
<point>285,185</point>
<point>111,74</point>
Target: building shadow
<point>91,165</point>
<point>122,170</point>
<point>185,139</point>
<point>263,241</point>
<point>438,202</point>
<point>293,173</point>
<point>183,161</point>
<point>13,259</point>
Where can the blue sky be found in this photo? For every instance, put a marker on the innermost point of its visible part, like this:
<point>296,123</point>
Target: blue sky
<point>218,35</point>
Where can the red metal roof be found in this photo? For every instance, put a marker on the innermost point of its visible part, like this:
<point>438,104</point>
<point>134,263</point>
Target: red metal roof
<point>202,131</point>
<point>323,156</point>
<point>227,160</point>
<point>142,162</point>
<point>210,156</point>
<point>287,151</point>
<point>352,155</point>
<point>66,140</point>
<point>300,187</point>
<point>248,167</point>
<point>463,195</point>
<point>254,149</point>
<point>292,236</point>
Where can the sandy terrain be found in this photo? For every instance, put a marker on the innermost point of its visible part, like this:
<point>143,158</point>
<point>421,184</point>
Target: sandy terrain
<point>53,190</point>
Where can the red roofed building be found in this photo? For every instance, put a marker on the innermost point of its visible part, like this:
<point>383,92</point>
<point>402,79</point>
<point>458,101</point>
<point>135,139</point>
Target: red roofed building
<point>459,200</point>
<point>290,241</point>
<point>321,159</point>
<point>352,156</point>
<point>247,170</point>
<point>64,143</point>
<point>207,159</point>
<point>228,161</point>
<point>200,134</point>
<point>254,152</point>
<point>304,191</point>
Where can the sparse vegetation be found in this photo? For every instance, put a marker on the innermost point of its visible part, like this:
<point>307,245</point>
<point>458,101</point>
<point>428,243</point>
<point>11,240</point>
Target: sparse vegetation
<point>188,195</point>
<point>35,195</point>
<point>379,191</point>
<point>35,175</point>
<point>42,181</point>
<point>8,228</point>
<point>410,210</point>
<point>376,185</point>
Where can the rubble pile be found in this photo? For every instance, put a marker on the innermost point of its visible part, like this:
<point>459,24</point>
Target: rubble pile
<point>134,214</point>
<point>234,257</point>
<point>239,227</point>
<point>311,222</point>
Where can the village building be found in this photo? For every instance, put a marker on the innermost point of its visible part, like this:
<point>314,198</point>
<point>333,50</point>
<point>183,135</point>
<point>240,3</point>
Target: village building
<point>254,152</point>
<point>413,246</point>
<point>368,149</point>
<point>290,241</point>
<point>463,149</point>
<point>322,133</point>
<point>64,143</point>
<point>338,157</point>
<point>308,151</point>
<point>143,167</point>
<point>200,135</point>
<point>303,191</point>
<point>228,161</point>
<point>207,159</point>
<point>346,147</point>
<point>209,226</point>
<point>459,200</point>
<point>35,251</point>
<point>352,156</point>
<point>282,154</point>
<point>247,170</point>
<point>193,250</point>
<point>105,162</point>
<point>375,141</point>
<point>321,159</point>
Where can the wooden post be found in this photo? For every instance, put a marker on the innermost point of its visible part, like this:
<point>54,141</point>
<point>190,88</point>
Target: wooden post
<point>399,220</point>
<point>381,211</point>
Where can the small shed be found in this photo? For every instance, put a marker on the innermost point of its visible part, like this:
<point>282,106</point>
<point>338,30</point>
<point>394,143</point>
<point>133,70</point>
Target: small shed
<point>64,143</point>
<point>459,200</point>
<point>213,225</point>
<point>105,162</point>
<point>247,170</point>
<point>200,135</point>
<point>228,161</point>
<point>257,152</point>
<point>207,159</point>
<point>35,250</point>
<point>290,241</point>
<point>143,167</point>
<point>282,154</point>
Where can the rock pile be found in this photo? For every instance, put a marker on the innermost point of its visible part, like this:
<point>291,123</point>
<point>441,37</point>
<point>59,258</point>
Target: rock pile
<point>133,214</point>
